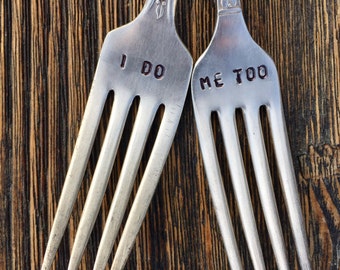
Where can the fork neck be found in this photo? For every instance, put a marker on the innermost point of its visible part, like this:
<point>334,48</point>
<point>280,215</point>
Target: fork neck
<point>230,22</point>
<point>162,9</point>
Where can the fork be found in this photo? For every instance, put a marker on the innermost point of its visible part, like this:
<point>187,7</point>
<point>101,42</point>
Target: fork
<point>144,59</point>
<point>235,73</point>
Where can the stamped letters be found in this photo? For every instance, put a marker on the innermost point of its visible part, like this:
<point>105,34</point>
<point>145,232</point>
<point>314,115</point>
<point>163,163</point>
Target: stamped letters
<point>147,68</point>
<point>240,75</point>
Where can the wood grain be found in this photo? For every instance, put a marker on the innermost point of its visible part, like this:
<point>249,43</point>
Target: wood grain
<point>48,55</point>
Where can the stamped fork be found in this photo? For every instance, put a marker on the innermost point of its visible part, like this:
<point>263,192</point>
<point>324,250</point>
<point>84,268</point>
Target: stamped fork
<point>235,73</point>
<point>144,59</point>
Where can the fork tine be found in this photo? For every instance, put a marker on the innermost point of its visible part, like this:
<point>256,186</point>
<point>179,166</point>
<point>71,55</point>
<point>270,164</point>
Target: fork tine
<point>101,175</point>
<point>82,150</point>
<point>240,185</point>
<point>145,116</point>
<point>148,184</point>
<point>264,183</point>
<point>288,182</point>
<point>216,187</point>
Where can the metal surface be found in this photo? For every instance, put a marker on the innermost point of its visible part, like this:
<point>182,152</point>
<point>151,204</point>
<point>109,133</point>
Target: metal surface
<point>143,59</point>
<point>235,73</point>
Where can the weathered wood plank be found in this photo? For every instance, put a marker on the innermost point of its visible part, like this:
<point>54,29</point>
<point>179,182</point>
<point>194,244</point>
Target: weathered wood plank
<point>48,55</point>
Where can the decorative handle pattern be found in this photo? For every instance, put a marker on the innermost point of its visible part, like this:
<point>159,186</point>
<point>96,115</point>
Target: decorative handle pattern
<point>160,9</point>
<point>225,5</point>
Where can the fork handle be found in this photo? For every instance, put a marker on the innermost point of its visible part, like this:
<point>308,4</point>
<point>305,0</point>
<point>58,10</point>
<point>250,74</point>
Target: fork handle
<point>228,5</point>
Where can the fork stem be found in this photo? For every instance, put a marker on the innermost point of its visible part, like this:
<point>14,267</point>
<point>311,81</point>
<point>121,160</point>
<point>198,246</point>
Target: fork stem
<point>231,28</point>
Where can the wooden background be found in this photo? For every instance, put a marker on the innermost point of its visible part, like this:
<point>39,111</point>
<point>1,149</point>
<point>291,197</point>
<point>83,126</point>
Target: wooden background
<point>48,55</point>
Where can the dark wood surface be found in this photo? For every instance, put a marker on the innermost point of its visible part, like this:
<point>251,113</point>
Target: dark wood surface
<point>48,55</point>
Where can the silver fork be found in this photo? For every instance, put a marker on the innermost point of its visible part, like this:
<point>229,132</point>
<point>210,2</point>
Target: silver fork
<point>235,73</point>
<point>144,59</point>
